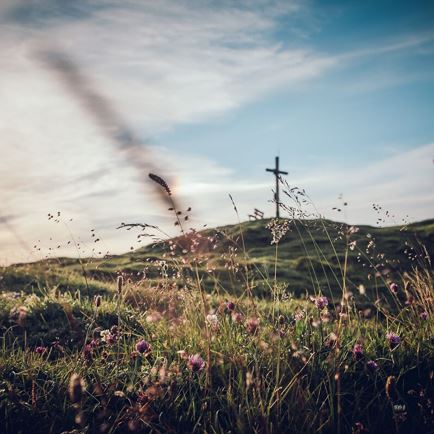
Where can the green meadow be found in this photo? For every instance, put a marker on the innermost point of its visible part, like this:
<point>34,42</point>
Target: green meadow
<point>266,326</point>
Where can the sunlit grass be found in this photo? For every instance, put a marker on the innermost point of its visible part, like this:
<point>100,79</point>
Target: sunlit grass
<point>208,336</point>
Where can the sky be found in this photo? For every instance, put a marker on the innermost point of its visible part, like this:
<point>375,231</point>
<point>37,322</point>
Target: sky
<point>210,92</point>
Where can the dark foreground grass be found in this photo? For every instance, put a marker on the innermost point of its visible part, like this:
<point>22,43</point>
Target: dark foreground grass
<point>262,366</point>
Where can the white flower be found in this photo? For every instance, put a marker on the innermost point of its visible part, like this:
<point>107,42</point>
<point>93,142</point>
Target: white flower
<point>212,319</point>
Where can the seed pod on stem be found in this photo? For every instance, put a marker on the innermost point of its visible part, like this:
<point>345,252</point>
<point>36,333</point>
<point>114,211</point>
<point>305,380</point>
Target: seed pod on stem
<point>76,388</point>
<point>120,284</point>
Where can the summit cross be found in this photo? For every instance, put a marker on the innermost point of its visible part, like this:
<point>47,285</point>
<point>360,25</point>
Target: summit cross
<point>277,172</point>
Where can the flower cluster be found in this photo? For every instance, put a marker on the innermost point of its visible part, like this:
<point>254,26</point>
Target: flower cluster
<point>40,350</point>
<point>393,288</point>
<point>424,315</point>
<point>230,306</point>
<point>110,336</point>
<point>252,325</point>
<point>321,302</point>
<point>358,352</point>
<point>212,320</point>
<point>372,365</point>
<point>195,363</point>
<point>143,347</point>
<point>278,229</point>
<point>237,317</point>
<point>393,339</point>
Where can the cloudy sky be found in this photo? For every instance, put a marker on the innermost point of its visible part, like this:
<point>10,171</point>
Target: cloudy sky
<point>211,91</point>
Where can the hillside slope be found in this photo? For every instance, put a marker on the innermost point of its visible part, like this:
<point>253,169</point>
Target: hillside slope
<point>310,256</point>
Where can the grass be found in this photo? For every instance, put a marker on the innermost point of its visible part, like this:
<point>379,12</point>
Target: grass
<point>305,335</point>
<point>311,253</point>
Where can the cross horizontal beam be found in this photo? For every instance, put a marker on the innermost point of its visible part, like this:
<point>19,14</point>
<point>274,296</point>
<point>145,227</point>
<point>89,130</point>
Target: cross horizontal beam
<point>277,172</point>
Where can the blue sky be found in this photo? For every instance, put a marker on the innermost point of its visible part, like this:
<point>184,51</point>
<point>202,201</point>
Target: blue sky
<point>342,91</point>
<point>378,100</point>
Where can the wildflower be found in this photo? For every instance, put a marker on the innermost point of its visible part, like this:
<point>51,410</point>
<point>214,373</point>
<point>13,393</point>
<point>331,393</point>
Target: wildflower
<point>358,352</point>
<point>372,365</point>
<point>40,350</point>
<point>424,315</point>
<point>331,340</point>
<point>76,388</point>
<point>143,347</point>
<point>325,316</point>
<point>107,337</point>
<point>196,363</point>
<point>314,322</point>
<point>183,354</point>
<point>367,313</point>
<point>212,320</point>
<point>57,347</point>
<point>94,343</point>
<point>321,302</point>
<point>152,392</point>
<point>299,315</point>
<point>352,229</point>
<point>230,306</point>
<point>394,339</point>
<point>393,287</point>
<point>237,317</point>
<point>400,413</point>
<point>359,428</point>
<point>252,325</point>
<point>410,298</point>
<point>278,229</point>
<point>87,352</point>
<point>134,355</point>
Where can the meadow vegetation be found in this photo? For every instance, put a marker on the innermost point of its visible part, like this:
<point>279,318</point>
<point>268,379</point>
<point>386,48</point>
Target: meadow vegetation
<point>297,325</point>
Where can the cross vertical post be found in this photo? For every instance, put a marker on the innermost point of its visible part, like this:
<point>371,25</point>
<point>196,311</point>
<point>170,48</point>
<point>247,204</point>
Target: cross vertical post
<point>276,173</point>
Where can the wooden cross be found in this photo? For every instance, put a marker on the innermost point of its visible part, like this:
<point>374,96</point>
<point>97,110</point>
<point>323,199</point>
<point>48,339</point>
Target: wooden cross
<point>277,172</point>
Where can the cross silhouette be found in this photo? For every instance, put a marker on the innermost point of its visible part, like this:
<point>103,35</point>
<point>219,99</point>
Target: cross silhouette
<point>277,172</point>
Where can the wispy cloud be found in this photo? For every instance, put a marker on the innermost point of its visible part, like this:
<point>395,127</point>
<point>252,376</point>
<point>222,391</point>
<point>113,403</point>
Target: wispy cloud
<point>167,62</point>
<point>390,45</point>
<point>162,64</point>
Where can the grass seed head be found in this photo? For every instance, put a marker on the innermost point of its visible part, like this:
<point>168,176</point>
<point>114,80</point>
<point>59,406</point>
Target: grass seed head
<point>161,182</point>
<point>120,284</point>
<point>76,389</point>
<point>391,388</point>
<point>97,301</point>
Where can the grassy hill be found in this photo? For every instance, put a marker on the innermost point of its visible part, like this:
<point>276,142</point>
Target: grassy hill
<point>156,353</point>
<point>312,256</point>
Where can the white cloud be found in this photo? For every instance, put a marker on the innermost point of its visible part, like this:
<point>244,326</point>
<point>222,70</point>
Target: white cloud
<point>161,63</point>
<point>402,184</point>
<point>167,62</point>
